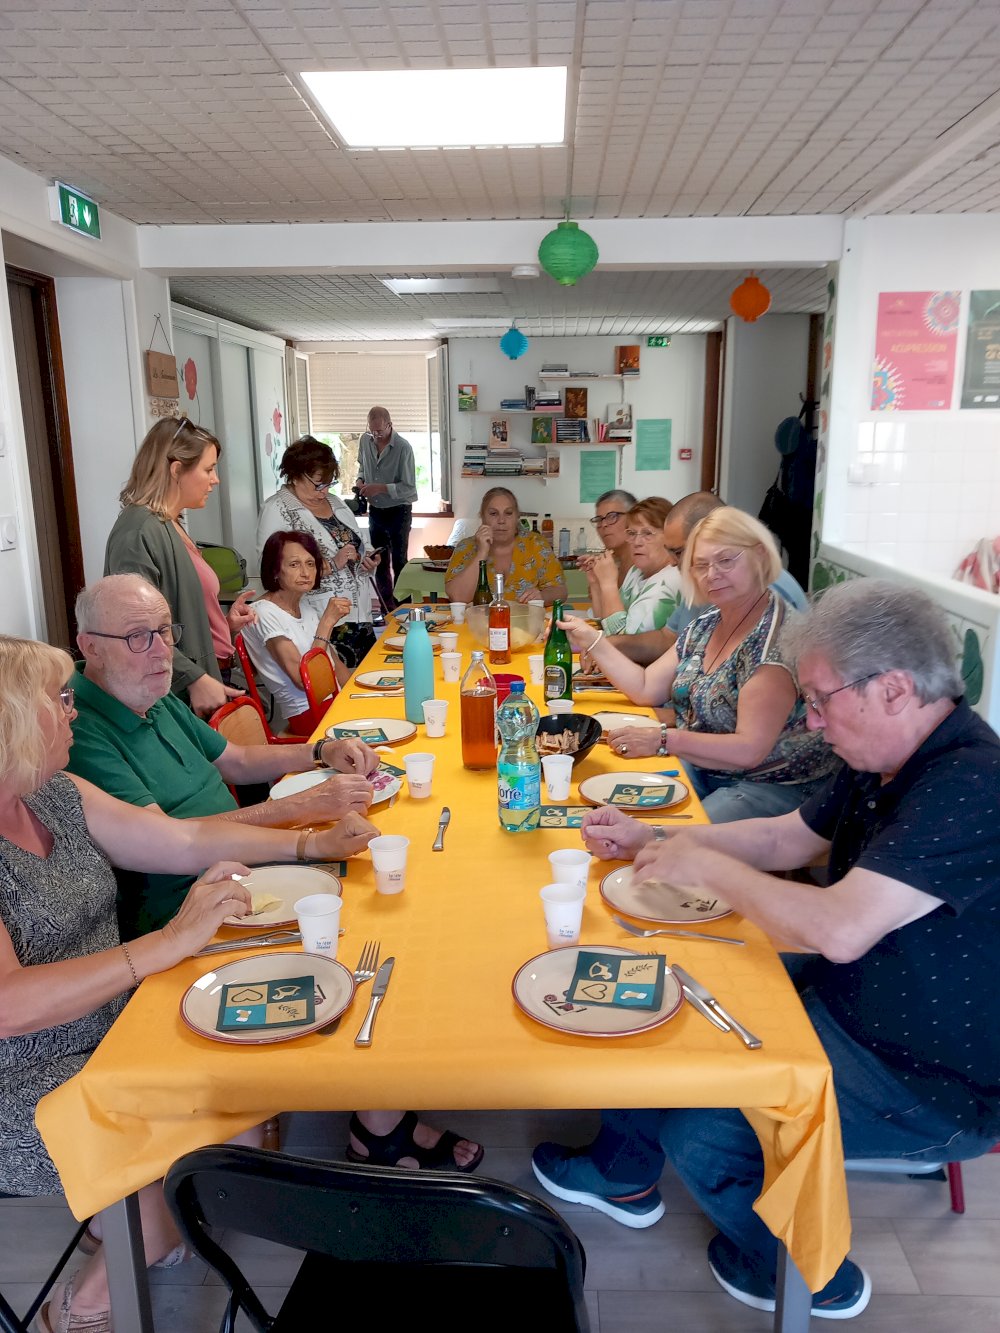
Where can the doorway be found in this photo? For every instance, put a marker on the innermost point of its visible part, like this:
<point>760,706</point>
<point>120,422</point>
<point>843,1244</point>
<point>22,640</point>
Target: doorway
<point>51,480</point>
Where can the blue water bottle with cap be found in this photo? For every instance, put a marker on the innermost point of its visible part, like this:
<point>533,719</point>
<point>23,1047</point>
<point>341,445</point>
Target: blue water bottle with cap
<point>418,667</point>
<point>519,772</point>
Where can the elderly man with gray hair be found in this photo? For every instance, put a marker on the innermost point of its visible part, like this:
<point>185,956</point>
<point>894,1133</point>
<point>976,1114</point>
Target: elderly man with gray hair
<point>898,969</point>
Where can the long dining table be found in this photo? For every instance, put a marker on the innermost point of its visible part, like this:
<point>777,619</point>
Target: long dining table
<point>449,1033</point>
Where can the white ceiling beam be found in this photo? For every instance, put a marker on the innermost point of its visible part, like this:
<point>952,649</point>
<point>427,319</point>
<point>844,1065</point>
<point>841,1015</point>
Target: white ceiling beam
<point>387,247</point>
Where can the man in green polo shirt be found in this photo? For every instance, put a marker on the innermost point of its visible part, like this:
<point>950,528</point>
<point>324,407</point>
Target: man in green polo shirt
<point>139,742</point>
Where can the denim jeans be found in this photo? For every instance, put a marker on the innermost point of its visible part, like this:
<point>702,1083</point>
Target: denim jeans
<point>728,796</point>
<point>718,1156</point>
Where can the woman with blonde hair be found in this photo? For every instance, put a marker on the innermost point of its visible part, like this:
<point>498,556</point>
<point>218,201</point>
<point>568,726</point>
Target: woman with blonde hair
<point>733,711</point>
<point>527,561</point>
<point>175,470</point>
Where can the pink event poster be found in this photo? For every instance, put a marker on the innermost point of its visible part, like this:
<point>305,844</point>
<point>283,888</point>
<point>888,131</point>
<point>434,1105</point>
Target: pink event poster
<point>915,342</point>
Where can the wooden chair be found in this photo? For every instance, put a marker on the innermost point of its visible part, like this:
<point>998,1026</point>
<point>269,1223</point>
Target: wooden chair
<point>248,673</point>
<point>471,1253</point>
<point>319,681</point>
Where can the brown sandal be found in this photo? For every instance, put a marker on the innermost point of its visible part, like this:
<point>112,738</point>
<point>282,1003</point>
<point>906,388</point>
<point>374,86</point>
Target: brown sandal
<point>55,1315</point>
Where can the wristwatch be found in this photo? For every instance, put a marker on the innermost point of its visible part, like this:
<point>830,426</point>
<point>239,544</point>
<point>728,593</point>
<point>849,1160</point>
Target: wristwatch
<point>317,752</point>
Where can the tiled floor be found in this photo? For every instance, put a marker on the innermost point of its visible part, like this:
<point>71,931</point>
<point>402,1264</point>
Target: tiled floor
<point>932,1271</point>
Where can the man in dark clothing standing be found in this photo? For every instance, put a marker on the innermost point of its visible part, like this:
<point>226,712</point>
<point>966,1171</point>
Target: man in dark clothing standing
<point>387,480</point>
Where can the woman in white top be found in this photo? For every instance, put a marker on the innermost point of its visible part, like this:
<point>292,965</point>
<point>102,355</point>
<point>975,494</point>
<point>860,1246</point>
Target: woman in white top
<point>306,504</point>
<point>288,621</point>
<point>651,588</point>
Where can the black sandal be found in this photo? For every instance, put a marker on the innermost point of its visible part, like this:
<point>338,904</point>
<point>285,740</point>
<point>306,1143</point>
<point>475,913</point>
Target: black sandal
<point>390,1149</point>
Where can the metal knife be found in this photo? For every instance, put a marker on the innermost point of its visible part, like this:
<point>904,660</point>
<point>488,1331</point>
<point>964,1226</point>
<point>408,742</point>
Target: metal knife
<point>443,822</point>
<point>694,990</point>
<point>275,938</point>
<point>379,988</point>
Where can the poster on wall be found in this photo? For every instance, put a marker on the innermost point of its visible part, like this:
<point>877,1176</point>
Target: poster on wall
<point>981,385</point>
<point>652,445</point>
<point>597,473</point>
<point>916,336</point>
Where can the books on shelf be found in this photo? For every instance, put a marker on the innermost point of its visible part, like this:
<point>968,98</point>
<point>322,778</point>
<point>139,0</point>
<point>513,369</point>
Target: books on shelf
<point>541,430</point>
<point>627,359</point>
<point>584,374</point>
<point>530,394</point>
<point>555,368</point>
<point>548,399</point>
<point>552,463</point>
<point>576,402</point>
<point>468,397</point>
<point>499,433</point>
<point>513,404</point>
<point>571,430</point>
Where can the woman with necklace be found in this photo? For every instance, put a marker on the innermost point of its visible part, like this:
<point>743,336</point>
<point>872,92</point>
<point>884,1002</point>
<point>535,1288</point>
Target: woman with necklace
<point>733,713</point>
<point>175,470</point>
<point>306,504</point>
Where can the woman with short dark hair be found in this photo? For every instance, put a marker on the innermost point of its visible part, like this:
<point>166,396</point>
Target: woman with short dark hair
<point>306,504</point>
<point>289,623</point>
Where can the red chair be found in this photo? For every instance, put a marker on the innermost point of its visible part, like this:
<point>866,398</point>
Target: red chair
<point>956,1185</point>
<point>246,666</point>
<point>901,1167</point>
<point>319,680</point>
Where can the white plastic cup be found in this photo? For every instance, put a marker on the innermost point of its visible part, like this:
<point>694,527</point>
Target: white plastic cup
<point>419,774</point>
<point>319,921</point>
<point>457,612</point>
<point>451,665</point>
<point>536,668</point>
<point>563,908</point>
<point>389,859</point>
<point>435,716</point>
<point>571,865</point>
<point>558,770</point>
<point>449,640</point>
<point>557,706</point>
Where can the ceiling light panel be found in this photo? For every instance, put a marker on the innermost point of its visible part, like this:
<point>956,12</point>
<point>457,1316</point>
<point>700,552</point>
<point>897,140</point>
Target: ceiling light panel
<point>443,108</point>
<point>447,286</point>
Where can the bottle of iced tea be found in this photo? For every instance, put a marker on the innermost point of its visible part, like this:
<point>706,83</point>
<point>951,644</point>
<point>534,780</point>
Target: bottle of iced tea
<point>479,707</point>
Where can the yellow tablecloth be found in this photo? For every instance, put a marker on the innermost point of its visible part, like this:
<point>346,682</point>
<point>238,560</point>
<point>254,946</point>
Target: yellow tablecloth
<point>449,1033</point>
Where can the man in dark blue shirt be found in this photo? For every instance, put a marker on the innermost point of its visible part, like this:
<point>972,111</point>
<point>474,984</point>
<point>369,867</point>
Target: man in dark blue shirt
<point>900,950</point>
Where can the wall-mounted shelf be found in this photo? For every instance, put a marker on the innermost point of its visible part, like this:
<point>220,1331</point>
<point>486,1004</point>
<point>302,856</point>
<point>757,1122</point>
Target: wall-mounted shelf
<point>581,379</point>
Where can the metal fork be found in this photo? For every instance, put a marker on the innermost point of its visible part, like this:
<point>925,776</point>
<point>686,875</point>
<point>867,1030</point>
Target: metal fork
<point>684,934</point>
<point>365,970</point>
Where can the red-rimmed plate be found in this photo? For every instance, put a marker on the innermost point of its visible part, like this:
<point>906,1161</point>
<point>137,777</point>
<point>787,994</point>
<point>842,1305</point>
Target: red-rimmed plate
<point>662,904</point>
<point>334,992</point>
<point>539,989</point>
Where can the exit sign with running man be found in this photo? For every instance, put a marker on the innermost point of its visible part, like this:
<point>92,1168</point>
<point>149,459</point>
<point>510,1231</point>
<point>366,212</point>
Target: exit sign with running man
<point>76,211</point>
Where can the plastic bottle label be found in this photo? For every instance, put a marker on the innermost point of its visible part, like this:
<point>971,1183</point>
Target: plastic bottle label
<point>499,639</point>
<point>556,682</point>
<point>518,791</point>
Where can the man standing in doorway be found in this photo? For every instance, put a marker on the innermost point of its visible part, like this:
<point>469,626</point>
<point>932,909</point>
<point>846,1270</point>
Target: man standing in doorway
<point>387,480</point>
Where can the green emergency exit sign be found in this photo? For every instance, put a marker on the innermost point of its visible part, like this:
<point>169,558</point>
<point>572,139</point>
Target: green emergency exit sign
<point>78,212</point>
<point>658,340</point>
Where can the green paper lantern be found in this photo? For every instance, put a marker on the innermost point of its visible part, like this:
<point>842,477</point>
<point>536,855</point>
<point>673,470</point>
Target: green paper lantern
<point>567,253</point>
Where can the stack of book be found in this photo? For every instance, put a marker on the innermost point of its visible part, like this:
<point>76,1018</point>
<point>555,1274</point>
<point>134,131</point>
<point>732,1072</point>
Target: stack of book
<point>502,463</point>
<point>554,368</point>
<point>474,460</point>
<point>533,466</point>
<point>512,404</point>
<point>571,430</point>
<point>548,398</point>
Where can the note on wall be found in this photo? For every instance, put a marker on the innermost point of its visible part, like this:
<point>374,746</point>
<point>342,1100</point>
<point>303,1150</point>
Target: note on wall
<point>916,337</point>
<point>652,445</point>
<point>597,473</point>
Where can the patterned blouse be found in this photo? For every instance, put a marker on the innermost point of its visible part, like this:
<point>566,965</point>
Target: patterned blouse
<point>707,701</point>
<point>284,513</point>
<point>649,601</point>
<point>533,564</point>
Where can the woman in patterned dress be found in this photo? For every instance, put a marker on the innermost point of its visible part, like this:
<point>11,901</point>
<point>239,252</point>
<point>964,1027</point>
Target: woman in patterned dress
<point>527,561</point>
<point>64,975</point>
<point>733,711</point>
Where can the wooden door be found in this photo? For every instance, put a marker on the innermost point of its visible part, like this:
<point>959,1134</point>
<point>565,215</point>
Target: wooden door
<point>38,357</point>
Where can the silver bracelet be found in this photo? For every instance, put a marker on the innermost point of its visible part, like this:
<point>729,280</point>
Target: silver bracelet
<point>600,636</point>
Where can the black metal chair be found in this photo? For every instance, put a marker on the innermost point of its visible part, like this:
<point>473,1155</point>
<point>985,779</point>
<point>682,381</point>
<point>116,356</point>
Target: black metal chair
<point>11,1322</point>
<point>456,1251</point>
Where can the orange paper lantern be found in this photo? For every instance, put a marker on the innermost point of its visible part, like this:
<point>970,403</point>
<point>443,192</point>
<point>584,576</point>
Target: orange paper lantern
<point>750,300</point>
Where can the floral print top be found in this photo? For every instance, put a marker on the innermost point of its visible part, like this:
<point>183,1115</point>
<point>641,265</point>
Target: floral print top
<point>533,564</point>
<point>707,701</point>
<point>649,601</point>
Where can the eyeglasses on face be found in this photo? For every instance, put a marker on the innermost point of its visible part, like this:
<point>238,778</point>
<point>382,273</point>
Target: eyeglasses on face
<point>141,640</point>
<point>66,697</point>
<point>320,485</point>
<point>723,563</point>
<point>641,534</point>
<point>602,519</point>
<point>821,700</point>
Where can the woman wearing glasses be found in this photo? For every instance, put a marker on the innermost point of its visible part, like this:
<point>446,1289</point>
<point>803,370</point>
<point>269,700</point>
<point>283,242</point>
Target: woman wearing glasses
<point>306,504</point>
<point>733,712</point>
<point>611,522</point>
<point>651,588</point>
<point>175,470</point>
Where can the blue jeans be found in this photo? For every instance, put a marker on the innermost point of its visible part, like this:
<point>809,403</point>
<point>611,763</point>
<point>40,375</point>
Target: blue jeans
<point>727,796</point>
<point>718,1156</point>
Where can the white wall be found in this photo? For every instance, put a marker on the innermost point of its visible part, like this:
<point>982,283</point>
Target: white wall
<point>670,384</point>
<point>766,367</point>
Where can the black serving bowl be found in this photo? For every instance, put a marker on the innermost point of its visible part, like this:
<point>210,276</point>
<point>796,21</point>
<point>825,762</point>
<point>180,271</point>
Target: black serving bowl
<point>587,730</point>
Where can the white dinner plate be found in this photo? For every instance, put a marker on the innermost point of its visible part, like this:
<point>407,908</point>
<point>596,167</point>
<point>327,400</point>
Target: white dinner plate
<point>289,883</point>
<point>386,784</point>
<point>396,642</point>
<point>539,990</point>
<point>379,680</point>
<point>661,903</point>
<point>396,730</point>
<point>613,721</point>
<point>668,791</point>
<point>334,991</point>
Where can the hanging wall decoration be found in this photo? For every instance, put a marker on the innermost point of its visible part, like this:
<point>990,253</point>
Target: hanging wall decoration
<point>751,299</point>
<point>567,253</point>
<point>513,343</point>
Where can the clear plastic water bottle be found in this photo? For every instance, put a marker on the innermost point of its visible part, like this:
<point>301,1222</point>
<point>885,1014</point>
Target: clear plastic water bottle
<point>519,773</point>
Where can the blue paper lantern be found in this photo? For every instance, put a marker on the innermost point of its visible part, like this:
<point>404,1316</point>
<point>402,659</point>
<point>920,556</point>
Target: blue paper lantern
<point>513,343</point>
<point>567,253</point>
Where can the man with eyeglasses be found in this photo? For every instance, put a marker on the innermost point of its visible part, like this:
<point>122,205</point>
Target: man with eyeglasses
<point>900,949</point>
<point>140,743</point>
<point>388,481</point>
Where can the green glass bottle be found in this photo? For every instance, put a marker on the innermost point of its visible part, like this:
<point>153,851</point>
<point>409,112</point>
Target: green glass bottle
<point>482,596</point>
<point>558,660</point>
